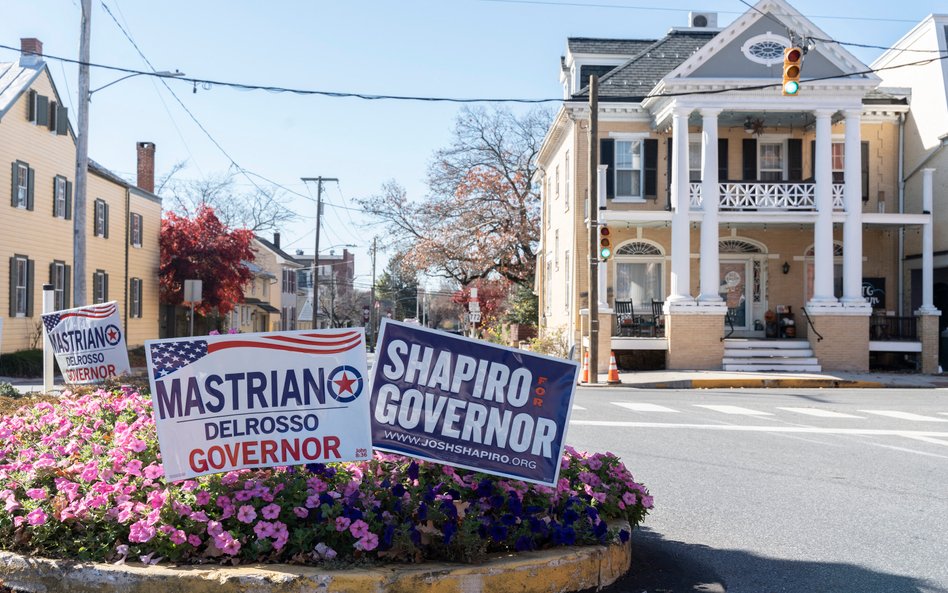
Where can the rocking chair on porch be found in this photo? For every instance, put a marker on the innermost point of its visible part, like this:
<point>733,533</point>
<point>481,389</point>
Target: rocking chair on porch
<point>626,323</point>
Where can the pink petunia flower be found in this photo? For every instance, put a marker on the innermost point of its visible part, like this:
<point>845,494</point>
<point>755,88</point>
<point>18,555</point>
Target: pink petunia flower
<point>154,471</point>
<point>37,517</point>
<point>367,543</point>
<point>271,511</point>
<point>246,514</point>
<point>263,529</point>
<point>342,523</point>
<point>300,512</point>
<point>359,529</point>
<point>141,532</point>
<point>36,493</point>
<point>202,498</point>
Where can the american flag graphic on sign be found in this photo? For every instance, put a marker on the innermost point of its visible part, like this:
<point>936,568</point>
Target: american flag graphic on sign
<point>102,311</point>
<point>167,357</point>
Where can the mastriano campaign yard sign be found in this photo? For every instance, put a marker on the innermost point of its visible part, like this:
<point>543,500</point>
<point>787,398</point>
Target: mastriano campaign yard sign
<point>88,342</point>
<point>259,400</point>
<point>471,404</point>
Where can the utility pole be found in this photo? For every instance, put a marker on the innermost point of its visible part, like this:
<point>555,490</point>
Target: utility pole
<point>372,326</point>
<point>82,162</point>
<point>593,229</point>
<point>319,212</point>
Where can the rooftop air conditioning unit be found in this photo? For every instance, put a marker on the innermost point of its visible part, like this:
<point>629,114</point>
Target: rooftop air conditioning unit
<point>703,20</point>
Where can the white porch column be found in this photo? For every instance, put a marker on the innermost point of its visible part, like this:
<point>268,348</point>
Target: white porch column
<point>823,228</point>
<point>928,259</point>
<point>852,199</point>
<point>681,204</point>
<point>710,195</point>
<point>601,172</point>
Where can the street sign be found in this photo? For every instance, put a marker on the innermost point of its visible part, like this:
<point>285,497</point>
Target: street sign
<point>365,314</point>
<point>475,316</point>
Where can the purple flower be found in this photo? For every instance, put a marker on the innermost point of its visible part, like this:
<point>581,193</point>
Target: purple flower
<point>271,511</point>
<point>246,514</point>
<point>141,532</point>
<point>263,529</point>
<point>359,529</point>
<point>367,543</point>
<point>342,523</point>
<point>36,493</point>
<point>37,517</point>
<point>300,512</point>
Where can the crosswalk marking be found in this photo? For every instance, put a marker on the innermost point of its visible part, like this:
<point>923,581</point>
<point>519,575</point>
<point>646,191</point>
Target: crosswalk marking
<point>643,407</point>
<point>931,440</point>
<point>905,416</point>
<point>820,413</point>
<point>734,410</point>
<point>575,407</point>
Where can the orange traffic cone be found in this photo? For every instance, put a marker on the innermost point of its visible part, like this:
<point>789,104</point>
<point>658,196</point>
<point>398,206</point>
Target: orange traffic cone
<point>584,372</point>
<point>613,370</point>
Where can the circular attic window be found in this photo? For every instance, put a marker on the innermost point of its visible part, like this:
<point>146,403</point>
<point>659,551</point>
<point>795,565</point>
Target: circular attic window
<point>766,49</point>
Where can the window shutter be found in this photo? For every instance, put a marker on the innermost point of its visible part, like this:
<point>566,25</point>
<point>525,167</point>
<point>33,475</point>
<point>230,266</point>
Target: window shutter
<point>55,180</point>
<point>30,273</point>
<point>749,171</point>
<point>794,159</point>
<point>607,156</point>
<point>864,156</point>
<point>42,110</point>
<point>722,160</point>
<point>68,200</point>
<point>31,105</point>
<point>67,289</point>
<point>651,168</point>
<point>53,112</point>
<point>52,273</point>
<point>29,189</point>
<point>12,287</point>
<point>105,208</point>
<point>105,288</point>
<point>13,200</point>
<point>62,120</point>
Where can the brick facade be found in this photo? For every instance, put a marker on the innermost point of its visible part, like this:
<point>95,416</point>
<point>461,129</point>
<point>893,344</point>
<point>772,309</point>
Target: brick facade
<point>845,343</point>
<point>694,340</point>
<point>929,335</point>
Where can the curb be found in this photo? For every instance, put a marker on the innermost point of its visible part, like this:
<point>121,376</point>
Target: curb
<point>549,571</point>
<point>754,384</point>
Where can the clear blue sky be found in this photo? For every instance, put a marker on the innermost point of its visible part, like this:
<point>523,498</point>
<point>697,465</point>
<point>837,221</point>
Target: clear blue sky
<point>454,48</point>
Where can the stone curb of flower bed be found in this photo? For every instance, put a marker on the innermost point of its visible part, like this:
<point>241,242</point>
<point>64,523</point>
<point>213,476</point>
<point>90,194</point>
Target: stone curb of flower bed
<point>548,571</point>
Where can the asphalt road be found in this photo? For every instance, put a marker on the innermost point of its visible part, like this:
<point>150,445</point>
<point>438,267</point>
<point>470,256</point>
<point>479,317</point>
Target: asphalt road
<point>769,491</point>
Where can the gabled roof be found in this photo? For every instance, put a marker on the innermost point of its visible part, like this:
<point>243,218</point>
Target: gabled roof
<point>101,171</point>
<point>620,47</point>
<point>290,259</point>
<point>633,80</point>
<point>14,81</point>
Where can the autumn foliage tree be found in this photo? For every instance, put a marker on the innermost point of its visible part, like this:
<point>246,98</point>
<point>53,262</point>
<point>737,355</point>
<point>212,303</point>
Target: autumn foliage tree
<point>481,218</point>
<point>203,248</point>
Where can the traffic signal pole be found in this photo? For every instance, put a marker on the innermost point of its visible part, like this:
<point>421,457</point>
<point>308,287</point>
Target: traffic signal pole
<point>593,229</point>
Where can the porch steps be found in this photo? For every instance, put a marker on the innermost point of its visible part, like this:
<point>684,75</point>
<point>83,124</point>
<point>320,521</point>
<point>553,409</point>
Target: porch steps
<point>791,356</point>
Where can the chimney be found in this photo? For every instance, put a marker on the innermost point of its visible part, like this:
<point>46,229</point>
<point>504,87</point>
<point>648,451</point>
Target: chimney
<point>276,240</point>
<point>146,166</point>
<point>31,51</point>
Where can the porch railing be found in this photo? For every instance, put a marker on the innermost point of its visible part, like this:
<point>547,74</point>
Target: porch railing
<point>886,328</point>
<point>764,195</point>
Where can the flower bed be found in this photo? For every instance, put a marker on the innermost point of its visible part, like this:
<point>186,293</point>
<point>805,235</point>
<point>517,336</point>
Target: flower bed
<point>82,479</point>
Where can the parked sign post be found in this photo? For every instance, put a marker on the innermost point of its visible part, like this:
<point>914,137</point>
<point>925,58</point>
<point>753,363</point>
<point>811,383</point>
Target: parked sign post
<point>236,401</point>
<point>471,404</point>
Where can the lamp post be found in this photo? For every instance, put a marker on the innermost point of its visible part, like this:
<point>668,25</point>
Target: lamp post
<point>82,153</point>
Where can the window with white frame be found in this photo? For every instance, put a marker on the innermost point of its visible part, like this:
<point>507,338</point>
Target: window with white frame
<point>100,287</point>
<point>59,197</point>
<point>135,233</point>
<point>20,285</point>
<point>135,297</point>
<point>244,314</point>
<point>566,183</point>
<point>772,161</point>
<point>289,280</point>
<point>21,186</point>
<point>101,221</point>
<point>839,161</point>
<point>57,277</point>
<point>628,163</point>
<point>694,160</point>
<point>639,274</point>
<point>556,183</point>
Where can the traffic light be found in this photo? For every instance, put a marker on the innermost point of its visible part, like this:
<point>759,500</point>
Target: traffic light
<point>605,245</point>
<point>792,63</point>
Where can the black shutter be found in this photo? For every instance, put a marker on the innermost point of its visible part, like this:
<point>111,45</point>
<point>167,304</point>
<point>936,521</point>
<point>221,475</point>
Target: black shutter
<point>53,112</point>
<point>31,105</point>
<point>29,189</point>
<point>67,290</point>
<point>105,288</point>
<point>864,156</point>
<point>651,168</point>
<point>794,159</point>
<point>68,200</point>
<point>62,120</point>
<point>668,173</point>
<point>42,110</point>
<point>55,182</point>
<point>12,287</point>
<point>52,273</point>
<point>723,174</point>
<point>13,200</point>
<point>30,273</point>
<point>607,156</point>
<point>105,209</point>
<point>749,171</point>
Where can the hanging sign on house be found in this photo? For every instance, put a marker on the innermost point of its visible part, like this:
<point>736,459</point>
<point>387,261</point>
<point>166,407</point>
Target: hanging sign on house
<point>88,342</point>
<point>471,404</point>
<point>236,401</point>
<point>873,290</point>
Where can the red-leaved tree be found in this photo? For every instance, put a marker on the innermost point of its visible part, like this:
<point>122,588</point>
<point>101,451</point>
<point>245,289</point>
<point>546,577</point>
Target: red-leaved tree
<point>203,248</point>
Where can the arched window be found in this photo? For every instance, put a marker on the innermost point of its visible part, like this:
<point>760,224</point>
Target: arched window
<point>640,273</point>
<point>810,271</point>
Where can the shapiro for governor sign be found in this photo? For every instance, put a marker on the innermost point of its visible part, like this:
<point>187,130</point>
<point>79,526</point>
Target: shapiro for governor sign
<point>259,400</point>
<point>470,404</point>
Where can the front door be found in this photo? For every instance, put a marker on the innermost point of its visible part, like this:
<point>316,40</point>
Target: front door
<point>734,282</point>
